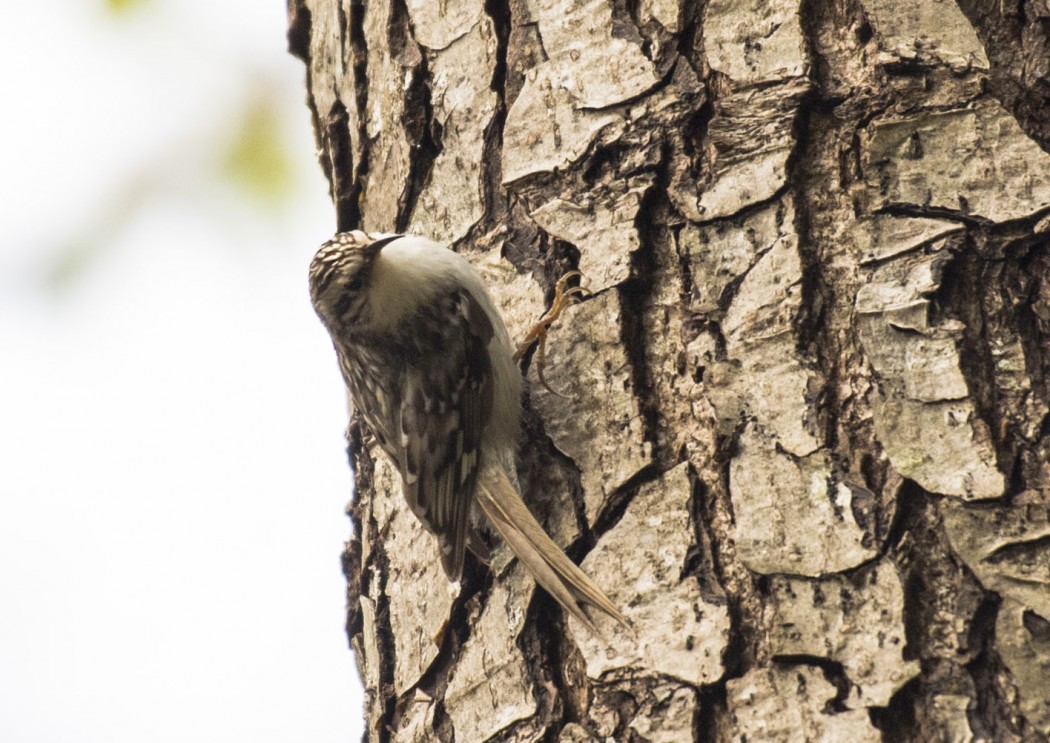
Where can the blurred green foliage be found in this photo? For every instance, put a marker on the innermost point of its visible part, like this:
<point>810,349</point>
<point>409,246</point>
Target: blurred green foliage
<point>257,161</point>
<point>243,148</point>
<point>123,6</point>
<point>252,160</point>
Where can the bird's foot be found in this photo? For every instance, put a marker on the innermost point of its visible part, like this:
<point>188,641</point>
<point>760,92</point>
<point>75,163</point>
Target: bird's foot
<point>563,294</point>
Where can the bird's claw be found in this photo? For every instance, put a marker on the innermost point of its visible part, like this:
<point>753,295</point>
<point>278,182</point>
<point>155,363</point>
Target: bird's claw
<point>563,294</point>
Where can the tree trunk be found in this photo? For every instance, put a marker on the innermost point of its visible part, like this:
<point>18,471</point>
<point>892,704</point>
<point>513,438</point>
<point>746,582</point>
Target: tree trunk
<point>804,439</point>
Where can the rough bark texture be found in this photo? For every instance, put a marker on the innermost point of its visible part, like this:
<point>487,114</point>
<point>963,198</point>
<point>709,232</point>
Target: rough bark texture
<point>806,440</point>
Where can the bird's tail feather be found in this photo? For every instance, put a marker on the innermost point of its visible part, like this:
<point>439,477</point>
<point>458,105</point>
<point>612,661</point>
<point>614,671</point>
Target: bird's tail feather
<point>552,569</point>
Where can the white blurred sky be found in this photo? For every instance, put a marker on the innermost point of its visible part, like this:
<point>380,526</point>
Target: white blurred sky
<point>172,475</point>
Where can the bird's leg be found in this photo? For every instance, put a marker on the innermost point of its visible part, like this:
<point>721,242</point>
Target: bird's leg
<point>563,295</point>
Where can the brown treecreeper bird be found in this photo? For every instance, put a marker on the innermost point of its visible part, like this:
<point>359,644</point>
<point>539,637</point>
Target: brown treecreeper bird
<point>431,370</point>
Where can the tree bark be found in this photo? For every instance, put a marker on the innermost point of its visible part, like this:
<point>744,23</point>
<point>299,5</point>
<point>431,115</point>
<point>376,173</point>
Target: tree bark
<point>805,440</point>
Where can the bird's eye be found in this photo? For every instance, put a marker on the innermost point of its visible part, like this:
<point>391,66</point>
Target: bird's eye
<point>343,305</point>
<point>355,284</point>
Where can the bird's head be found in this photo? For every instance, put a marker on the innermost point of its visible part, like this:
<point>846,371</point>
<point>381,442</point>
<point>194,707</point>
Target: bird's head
<point>339,277</point>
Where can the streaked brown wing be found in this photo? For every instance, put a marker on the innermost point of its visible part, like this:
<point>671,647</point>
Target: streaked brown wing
<point>446,399</point>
